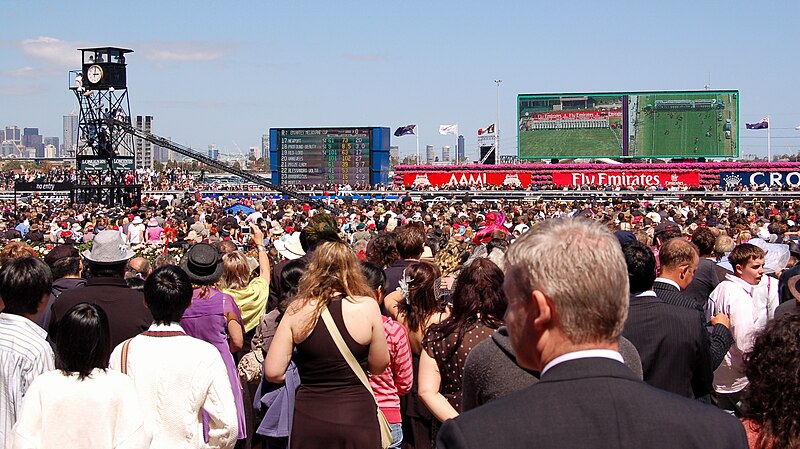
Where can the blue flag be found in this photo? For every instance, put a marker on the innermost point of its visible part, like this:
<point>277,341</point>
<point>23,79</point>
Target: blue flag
<point>761,124</point>
<point>403,130</point>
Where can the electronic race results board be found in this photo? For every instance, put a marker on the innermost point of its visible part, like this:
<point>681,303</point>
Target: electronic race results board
<point>339,156</point>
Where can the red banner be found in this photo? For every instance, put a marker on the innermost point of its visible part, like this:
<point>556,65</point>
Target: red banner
<point>577,115</point>
<point>495,178</point>
<point>627,178</point>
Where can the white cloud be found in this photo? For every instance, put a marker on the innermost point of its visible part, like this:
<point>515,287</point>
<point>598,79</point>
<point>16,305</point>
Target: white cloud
<point>184,51</point>
<point>22,72</point>
<point>53,51</point>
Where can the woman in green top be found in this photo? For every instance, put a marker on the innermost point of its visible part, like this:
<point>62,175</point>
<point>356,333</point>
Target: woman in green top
<point>251,295</point>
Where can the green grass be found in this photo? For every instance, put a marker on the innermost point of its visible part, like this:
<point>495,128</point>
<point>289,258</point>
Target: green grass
<point>570,143</point>
<point>685,133</point>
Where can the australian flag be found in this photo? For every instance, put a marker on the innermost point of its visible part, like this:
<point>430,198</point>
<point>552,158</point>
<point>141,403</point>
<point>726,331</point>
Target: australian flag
<point>761,124</point>
<point>403,130</point>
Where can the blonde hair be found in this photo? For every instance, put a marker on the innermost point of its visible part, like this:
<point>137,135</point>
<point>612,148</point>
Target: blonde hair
<point>15,250</point>
<point>334,268</point>
<point>236,272</point>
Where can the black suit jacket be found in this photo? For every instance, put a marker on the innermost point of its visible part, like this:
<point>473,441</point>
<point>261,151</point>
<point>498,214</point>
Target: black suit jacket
<point>672,344</point>
<point>592,403</point>
<point>127,314</point>
<point>720,340</point>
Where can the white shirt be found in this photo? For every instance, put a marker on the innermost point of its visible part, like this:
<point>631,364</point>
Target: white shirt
<point>670,282</point>
<point>24,355</point>
<point>54,413</point>
<point>176,377</point>
<point>749,314</point>
<point>253,217</point>
<point>585,354</point>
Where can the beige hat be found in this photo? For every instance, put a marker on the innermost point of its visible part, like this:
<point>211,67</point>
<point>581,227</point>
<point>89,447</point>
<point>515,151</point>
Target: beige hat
<point>290,249</point>
<point>194,237</point>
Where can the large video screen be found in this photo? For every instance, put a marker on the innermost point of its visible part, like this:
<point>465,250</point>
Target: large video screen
<point>357,156</point>
<point>628,124</point>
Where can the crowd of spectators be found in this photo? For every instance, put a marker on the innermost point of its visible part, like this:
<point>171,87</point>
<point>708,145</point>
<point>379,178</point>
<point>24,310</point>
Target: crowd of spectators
<point>478,301</point>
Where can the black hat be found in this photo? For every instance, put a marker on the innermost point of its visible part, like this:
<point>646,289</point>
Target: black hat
<point>202,263</point>
<point>61,252</point>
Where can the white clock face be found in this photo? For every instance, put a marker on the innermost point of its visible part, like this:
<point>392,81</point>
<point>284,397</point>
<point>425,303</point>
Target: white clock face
<point>94,74</point>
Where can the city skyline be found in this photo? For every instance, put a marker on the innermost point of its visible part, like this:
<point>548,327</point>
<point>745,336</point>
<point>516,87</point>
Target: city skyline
<point>225,73</point>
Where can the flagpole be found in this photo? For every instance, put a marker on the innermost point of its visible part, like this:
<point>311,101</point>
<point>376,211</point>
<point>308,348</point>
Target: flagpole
<point>417,144</point>
<point>769,141</point>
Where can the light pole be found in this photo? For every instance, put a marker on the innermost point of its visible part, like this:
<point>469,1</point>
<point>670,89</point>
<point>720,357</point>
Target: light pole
<point>497,124</point>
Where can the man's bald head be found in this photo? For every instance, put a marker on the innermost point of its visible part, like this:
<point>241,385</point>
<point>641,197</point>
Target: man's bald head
<point>140,265</point>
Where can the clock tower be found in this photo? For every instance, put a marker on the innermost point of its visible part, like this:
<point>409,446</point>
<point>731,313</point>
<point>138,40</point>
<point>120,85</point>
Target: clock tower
<point>105,155</point>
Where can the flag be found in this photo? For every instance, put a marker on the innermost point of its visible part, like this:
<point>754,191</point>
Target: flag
<point>488,130</point>
<point>448,129</point>
<point>403,130</point>
<point>761,124</point>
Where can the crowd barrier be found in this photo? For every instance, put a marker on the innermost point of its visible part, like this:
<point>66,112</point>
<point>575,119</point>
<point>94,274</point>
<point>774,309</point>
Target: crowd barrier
<point>460,196</point>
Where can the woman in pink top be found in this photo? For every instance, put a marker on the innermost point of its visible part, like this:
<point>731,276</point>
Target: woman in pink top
<point>153,231</point>
<point>396,380</point>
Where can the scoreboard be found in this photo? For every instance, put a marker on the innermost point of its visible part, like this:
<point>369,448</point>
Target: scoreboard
<point>318,156</point>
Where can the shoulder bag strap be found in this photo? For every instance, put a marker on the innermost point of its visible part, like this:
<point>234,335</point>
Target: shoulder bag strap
<point>327,318</point>
<point>124,356</point>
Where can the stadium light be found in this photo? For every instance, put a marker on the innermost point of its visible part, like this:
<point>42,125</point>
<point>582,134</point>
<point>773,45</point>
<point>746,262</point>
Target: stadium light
<point>497,122</point>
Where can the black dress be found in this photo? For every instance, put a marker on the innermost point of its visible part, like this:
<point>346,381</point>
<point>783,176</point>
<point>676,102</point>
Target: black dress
<point>332,409</point>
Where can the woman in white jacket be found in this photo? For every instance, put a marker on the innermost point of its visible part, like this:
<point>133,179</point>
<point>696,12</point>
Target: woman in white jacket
<point>82,404</point>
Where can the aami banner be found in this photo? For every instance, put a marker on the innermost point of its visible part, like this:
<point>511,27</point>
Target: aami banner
<point>626,179</point>
<point>495,178</point>
<point>733,179</point>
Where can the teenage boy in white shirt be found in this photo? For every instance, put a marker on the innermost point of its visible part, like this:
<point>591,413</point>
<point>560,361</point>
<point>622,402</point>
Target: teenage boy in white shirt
<point>735,297</point>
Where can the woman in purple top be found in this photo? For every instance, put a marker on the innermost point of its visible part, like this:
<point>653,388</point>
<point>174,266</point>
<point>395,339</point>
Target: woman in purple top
<point>214,317</point>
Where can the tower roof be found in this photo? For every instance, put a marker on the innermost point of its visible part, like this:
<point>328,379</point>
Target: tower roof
<point>119,49</point>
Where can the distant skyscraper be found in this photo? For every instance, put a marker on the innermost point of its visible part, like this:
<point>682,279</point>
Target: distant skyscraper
<point>265,148</point>
<point>51,141</point>
<point>430,155</point>
<point>143,149</point>
<point>213,152</point>
<point>70,136</point>
<point>394,152</point>
<point>49,151</point>
<point>14,134</point>
<point>446,153</point>
<point>31,139</point>
<point>8,148</point>
<point>460,149</point>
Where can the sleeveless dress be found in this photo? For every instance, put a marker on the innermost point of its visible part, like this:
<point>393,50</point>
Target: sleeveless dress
<point>205,320</point>
<point>332,408</point>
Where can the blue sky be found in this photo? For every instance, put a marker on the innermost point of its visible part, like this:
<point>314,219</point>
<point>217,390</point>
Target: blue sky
<point>225,72</point>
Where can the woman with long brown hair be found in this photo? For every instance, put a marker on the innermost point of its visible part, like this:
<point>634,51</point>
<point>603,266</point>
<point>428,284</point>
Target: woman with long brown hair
<point>332,407</point>
<point>419,308</point>
<point>478,308</point>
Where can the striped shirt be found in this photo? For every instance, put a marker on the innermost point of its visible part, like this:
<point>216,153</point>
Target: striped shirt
<point>396,379</point>
<point>24,354</point>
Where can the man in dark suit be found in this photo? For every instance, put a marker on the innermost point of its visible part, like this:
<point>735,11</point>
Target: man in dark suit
<point>671,340</point>
<point>586,397</point>
<point>678,258</point>
<point>127,314</point>
<point>705,279</point>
